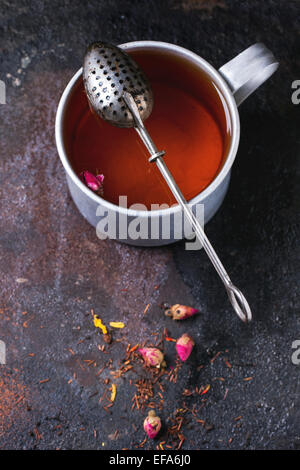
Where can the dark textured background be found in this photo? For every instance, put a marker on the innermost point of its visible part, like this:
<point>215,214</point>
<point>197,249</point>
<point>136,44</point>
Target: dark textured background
<point>68,271</point>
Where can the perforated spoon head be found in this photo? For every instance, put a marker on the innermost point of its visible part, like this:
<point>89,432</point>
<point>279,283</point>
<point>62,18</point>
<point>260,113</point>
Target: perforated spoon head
<point>108,72</point>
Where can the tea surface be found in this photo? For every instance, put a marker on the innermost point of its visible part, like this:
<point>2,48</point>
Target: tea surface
<point>180,123</point>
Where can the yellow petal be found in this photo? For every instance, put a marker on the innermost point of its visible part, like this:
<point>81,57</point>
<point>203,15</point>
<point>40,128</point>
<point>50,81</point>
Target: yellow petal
<point>116,324</point>
<point>98,324</point>
<point>113,392</point>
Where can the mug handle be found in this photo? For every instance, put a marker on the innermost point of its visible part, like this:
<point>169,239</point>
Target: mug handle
<point>248,70</point>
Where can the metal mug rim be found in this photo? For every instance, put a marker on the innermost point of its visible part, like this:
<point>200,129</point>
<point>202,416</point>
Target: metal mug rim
<point>230,101</point>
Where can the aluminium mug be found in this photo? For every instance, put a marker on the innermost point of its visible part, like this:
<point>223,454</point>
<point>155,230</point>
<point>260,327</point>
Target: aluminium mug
<point>235,81</point>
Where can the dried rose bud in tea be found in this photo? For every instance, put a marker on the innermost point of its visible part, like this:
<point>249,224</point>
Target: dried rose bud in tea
<point>153,357</point>
<point>152,424</point>
<point>180,312</point>
<point>95,183</point>
<point>184,346</point>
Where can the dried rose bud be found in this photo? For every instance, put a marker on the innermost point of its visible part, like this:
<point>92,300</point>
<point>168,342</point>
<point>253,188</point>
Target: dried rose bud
<point>100,178</point>
<point>95,183</point>
<point>184,346</point>
<point>180,312</point>
<point>152,424</point>
<point>152,357</point>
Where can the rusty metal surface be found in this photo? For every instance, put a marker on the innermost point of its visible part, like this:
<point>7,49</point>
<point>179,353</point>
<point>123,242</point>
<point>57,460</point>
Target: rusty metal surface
<point>54,269</point>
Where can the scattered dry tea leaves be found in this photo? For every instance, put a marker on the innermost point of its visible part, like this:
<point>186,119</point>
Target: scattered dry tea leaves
<point>146,308</point>
<point>206,389</point>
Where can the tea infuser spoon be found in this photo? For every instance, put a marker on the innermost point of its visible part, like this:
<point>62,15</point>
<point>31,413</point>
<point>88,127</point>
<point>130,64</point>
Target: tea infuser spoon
<point>120,93</point>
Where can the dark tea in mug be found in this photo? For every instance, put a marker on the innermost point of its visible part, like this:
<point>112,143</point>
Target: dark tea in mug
<point>190,121</point>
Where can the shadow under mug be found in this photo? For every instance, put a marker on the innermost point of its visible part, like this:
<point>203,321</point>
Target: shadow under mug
<point>235,81</point>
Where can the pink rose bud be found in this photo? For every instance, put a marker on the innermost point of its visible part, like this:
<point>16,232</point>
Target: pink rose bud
<point>152,424</point>
<point>180,312</point>
<point>95,183</point>
<point>100,178</point>
<point>152,357</point>
<point>184,346</point>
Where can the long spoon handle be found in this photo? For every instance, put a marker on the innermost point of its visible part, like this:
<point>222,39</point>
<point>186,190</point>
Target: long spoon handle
<point>236,297</point>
